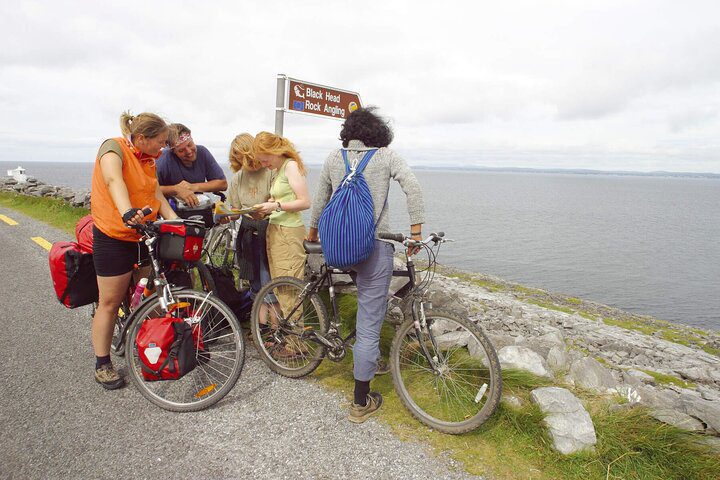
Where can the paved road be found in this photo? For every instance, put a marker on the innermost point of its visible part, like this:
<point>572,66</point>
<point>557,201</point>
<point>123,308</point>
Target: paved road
<point>56,422</point>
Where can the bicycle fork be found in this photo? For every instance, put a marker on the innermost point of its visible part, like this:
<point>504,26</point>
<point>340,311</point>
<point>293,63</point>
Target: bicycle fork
<point>420,323</point>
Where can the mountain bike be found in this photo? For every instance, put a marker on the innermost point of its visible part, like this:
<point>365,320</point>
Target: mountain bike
<point>219,342</point>
<point>444,368</point>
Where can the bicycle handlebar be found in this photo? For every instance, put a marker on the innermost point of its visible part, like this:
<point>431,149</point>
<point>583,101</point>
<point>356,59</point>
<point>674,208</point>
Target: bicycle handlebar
<point>409,242</point>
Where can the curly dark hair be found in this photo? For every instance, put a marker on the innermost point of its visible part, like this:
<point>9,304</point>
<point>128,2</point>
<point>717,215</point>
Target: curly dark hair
<point>364,125</point>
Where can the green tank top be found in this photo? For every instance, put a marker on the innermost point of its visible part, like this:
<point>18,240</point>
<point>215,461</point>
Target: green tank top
<point>282,192</point>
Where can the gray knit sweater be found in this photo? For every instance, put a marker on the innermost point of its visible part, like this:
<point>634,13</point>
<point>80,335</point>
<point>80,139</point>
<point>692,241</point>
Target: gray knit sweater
<point>383,166</point>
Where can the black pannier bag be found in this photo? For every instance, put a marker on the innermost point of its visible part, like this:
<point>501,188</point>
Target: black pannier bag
<point>181,240</point>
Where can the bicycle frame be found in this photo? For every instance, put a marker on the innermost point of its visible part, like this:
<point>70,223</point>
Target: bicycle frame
<point>335,342</point>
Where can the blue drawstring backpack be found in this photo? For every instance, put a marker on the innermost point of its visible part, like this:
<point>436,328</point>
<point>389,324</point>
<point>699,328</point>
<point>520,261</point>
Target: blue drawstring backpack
<point>347,223</point>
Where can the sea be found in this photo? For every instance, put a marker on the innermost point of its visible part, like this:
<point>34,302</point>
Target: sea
<point>646,244</point>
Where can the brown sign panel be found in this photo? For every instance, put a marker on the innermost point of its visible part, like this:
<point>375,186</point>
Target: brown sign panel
<point>314,99</point>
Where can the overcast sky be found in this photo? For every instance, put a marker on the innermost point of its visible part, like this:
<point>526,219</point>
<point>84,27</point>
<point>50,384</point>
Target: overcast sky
<point>609,85</point>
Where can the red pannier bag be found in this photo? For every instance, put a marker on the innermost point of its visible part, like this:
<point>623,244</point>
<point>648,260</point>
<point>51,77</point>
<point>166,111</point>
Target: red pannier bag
<point>181,240</point>
<point>167,348</point>
<point>84,234</point>
<point>73,274</point>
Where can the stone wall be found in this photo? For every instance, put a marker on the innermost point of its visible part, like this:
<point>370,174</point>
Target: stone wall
<point>36,188</point>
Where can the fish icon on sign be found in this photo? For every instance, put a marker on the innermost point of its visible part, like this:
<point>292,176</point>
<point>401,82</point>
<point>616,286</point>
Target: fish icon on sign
<point>299,91</point>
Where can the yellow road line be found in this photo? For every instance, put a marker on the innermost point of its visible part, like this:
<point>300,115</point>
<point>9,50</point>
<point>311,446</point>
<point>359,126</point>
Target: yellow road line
<point>42,242</point>
<point>8,220</point>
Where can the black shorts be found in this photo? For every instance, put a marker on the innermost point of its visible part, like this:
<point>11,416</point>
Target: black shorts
<point>114,257</point>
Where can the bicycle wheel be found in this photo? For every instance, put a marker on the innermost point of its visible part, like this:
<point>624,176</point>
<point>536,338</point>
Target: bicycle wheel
<point>220,359</point>
<point>464,390</point>
<point>220,250</point>
<point>283,324</point>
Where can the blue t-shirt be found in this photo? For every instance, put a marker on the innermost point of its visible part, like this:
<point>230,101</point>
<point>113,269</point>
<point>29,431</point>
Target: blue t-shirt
<point>171,171</point>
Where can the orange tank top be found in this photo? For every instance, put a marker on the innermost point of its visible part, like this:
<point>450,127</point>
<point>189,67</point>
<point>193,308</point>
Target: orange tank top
<point>141,181</point>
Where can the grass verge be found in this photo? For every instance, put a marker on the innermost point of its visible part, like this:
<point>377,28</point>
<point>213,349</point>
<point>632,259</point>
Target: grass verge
<point>49,210</point>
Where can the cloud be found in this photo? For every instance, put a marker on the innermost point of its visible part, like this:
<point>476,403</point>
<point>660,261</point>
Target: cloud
<point>522,81</point>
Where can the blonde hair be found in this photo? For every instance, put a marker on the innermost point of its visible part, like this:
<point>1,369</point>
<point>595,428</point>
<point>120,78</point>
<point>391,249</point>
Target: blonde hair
<point>266,142</point>
<point>146,124</point>
<point>242,155</point>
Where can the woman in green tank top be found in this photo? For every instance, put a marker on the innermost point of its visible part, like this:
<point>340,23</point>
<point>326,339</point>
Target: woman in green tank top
<point>288,197</point>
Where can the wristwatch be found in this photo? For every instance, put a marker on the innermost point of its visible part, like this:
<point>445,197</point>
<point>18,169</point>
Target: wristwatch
<point>279,207</point>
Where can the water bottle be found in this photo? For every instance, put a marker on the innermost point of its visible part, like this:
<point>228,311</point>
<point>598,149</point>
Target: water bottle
<point>139,293</point>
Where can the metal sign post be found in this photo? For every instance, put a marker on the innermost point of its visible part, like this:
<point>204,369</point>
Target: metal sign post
<point>280,104</point>
<point>298,96</point>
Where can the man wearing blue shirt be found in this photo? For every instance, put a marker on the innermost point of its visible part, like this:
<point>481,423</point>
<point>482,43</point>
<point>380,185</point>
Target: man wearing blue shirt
<point>186,168</point>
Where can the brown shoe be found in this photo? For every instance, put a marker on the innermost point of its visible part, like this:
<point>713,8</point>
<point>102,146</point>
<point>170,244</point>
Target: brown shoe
<point>108,377</point>
<point>358,413</point>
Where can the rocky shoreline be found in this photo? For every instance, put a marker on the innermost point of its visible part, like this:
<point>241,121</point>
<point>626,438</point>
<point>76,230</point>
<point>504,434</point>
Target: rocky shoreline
<point>578,349</point>
<point>671,369</point>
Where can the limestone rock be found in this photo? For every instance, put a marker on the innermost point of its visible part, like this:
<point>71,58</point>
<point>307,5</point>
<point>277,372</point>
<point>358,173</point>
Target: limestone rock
<point>523,358</point>
<point>677,419</point>
<point>708,393</point>
<point>512,400</point>
<point>642,376</point>
<point>706,411</point>
<point>589,373</point>
<point>569,424</point>
<point>557,359</point>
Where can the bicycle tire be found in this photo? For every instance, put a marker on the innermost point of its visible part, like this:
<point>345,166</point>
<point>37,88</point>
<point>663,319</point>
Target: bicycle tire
<point>220,361</point>
<point>203,281</point>
<point>449,401</point>
<point>289,354</point>
<point>221,252</point>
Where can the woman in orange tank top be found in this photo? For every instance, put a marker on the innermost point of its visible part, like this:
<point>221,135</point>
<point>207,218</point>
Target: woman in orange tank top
<point>123,184</point>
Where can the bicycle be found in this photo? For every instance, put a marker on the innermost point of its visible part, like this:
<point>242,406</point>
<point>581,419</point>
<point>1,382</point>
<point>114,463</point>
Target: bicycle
<point>193,275</point>
<point>219,344</point>
<point>444,369</point>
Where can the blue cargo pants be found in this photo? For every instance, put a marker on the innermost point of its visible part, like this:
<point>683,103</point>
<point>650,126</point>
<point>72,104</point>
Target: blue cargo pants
<point>372,278</point>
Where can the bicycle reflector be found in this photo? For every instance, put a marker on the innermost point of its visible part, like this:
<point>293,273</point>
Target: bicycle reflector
<point>206,390</point>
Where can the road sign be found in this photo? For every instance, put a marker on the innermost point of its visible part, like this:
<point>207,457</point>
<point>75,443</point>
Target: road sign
<point>313,99</point>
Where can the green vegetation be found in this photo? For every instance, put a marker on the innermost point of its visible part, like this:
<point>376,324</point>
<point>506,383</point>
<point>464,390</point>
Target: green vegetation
<point>49,210</point>
<point>513,443</point>
<point>663,379</point>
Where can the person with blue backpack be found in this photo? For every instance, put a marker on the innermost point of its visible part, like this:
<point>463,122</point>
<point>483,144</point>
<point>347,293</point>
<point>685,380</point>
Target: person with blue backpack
<point>349,208</point>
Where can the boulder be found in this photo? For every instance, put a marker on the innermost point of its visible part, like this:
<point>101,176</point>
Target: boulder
<point>523,358</point>
<point>569,424</point>
<point>557,359</point>
<point>677,419</point>
<point>589,373</point>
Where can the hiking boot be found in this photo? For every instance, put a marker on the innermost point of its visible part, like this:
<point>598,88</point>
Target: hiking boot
<point>108,377</point>
<point>383,367</point>
<point>358,413</point>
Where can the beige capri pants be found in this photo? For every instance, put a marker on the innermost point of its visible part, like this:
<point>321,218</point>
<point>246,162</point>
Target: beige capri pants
<point>286,257</point>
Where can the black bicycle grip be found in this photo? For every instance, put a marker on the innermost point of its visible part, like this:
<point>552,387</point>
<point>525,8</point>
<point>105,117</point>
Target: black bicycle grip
<point>440,234</point>
<point>397,237</point>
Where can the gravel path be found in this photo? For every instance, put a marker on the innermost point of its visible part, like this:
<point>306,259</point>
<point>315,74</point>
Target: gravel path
<point>55,421</point>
